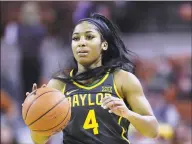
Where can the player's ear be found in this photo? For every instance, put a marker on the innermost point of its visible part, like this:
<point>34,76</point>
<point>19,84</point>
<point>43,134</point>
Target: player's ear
<point>104,45</point>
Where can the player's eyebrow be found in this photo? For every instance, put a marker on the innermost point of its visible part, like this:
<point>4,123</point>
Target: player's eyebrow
<point>85,32</point>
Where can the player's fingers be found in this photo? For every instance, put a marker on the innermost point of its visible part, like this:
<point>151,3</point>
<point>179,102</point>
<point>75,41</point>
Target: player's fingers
<point>108,99</point>
<point>112,104</point>
<point>34,87</point>
<point>120,108</point>
<point>44,85</point>
<point>105,101</point>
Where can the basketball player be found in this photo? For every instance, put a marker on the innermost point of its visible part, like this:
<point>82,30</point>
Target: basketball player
<point>104,93</point>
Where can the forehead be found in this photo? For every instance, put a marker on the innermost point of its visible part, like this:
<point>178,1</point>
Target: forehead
<point>85,26</point>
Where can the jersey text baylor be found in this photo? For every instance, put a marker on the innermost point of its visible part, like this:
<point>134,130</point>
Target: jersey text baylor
<point>90,123</point>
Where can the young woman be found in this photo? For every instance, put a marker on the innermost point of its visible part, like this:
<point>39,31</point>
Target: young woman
<point>104,93</point>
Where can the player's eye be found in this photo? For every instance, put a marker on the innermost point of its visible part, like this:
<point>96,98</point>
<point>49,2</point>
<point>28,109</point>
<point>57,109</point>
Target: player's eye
<point>90,37</point>
<point>75,38</point>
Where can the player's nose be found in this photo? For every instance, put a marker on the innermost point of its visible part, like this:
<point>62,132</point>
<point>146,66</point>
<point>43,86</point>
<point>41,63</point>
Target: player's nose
<point>82,42</point>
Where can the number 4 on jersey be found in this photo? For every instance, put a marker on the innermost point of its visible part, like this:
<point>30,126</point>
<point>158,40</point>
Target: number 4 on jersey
<point>91,123</point>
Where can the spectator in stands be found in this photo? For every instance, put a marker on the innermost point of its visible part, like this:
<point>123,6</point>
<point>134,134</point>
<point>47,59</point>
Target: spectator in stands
<point>31,34</point>
<point>165,112</point>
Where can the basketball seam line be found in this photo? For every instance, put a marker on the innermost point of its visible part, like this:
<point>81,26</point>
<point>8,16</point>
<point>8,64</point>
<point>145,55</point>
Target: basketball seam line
<point>35,100</point>
<point>47,111</point>
<point>56,125</point>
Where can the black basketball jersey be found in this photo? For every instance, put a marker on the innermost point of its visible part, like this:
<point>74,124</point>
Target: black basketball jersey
<point>90,123</point>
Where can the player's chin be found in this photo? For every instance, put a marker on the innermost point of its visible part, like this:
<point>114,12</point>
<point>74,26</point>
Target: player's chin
<point>85,61</point>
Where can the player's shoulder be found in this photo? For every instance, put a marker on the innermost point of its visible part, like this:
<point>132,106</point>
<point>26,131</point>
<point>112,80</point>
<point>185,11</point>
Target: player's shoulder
<point>57,84</point>
<point>123,77</point>
<point>126,82</point>
<point>122,74</point>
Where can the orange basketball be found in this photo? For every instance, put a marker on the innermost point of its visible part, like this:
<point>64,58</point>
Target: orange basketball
<point>46,111</point>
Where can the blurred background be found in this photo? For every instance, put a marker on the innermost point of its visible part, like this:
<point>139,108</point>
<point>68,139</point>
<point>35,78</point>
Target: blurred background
<point>35,43</point>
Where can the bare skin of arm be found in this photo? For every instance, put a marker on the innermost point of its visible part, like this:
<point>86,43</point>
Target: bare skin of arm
<point>53,83</point>
<point>141,116</point>
<point>130,90</point>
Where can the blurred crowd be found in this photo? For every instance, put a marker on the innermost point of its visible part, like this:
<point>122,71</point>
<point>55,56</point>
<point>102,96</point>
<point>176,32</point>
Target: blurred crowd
<point>35,43</point>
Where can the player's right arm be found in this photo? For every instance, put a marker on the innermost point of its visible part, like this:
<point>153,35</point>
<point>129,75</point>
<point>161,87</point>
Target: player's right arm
<point>53,83</point>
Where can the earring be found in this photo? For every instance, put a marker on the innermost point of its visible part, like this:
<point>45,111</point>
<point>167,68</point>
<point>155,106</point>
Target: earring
<point>105,46</point>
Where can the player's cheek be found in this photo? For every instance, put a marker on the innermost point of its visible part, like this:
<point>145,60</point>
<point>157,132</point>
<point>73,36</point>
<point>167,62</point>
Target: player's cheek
<point>92,56</point>
<point>96,51</point>
<point>74,48</point>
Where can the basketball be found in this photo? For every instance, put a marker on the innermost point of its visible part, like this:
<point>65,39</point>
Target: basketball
<point>46,111</point>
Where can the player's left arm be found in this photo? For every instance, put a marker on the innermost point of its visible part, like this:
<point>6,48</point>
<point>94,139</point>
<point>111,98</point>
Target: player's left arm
<point>130,90</point>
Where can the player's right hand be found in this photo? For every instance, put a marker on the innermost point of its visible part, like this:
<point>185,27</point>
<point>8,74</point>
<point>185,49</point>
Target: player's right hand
<point>36,137</point>
<point>35,88</point>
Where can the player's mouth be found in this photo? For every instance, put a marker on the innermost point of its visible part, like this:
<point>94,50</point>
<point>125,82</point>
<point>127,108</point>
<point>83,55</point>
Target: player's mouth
<point>82,53</point>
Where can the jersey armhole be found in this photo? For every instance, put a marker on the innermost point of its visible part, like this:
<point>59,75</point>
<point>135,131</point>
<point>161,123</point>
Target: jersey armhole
<point>63,90</point>
<point>115,87</point>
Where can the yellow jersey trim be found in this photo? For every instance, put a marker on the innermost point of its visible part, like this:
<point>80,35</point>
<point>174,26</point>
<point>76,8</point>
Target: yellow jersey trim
<point>120,118</point>
<point>123,130</point>
<point>116,91</point>
<point>90,87</point>
<point>63,90</point>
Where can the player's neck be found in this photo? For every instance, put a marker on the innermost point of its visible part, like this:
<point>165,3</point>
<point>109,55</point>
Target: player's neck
<point>82,68</point>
